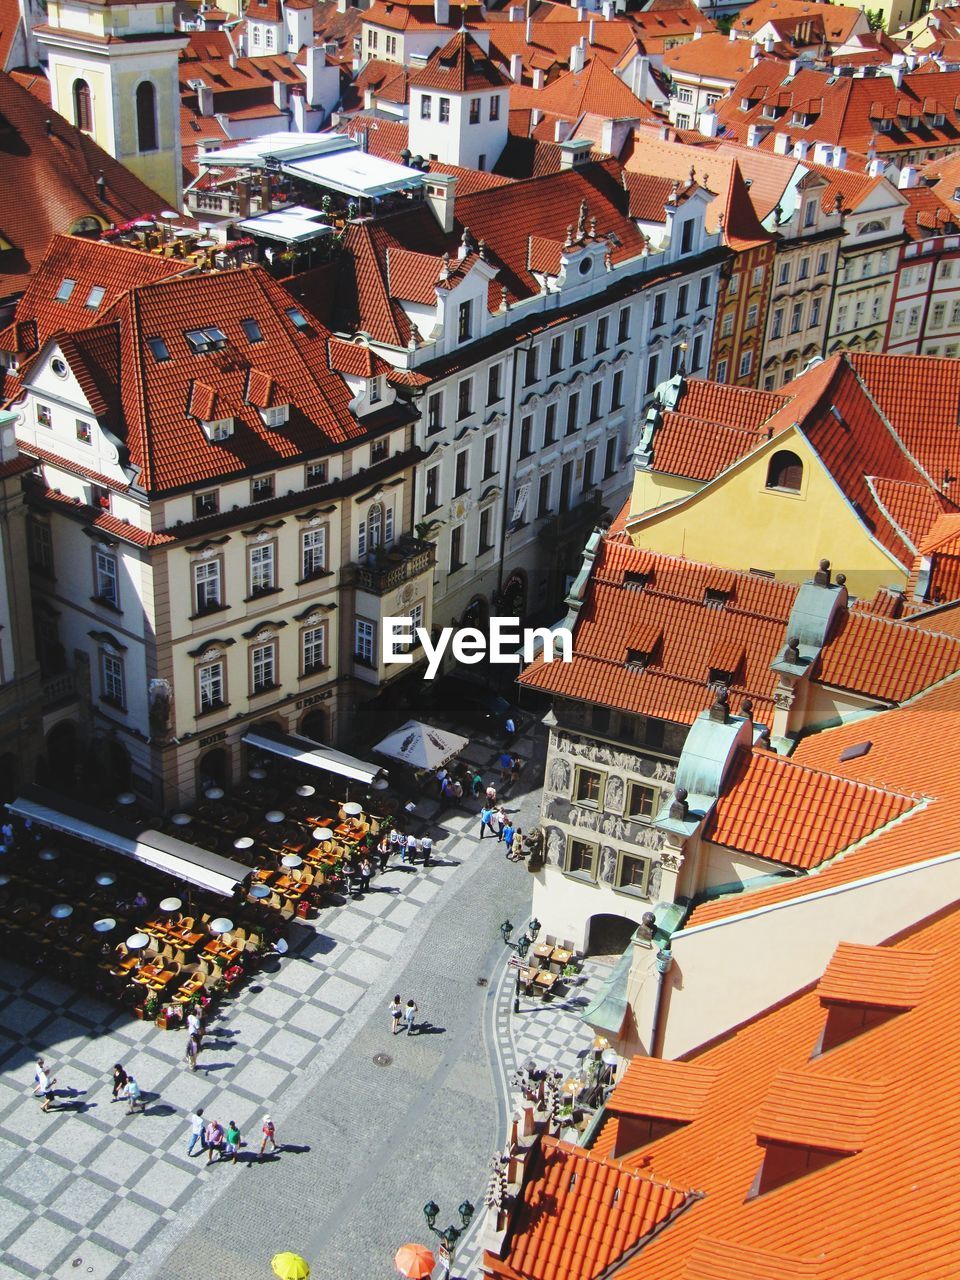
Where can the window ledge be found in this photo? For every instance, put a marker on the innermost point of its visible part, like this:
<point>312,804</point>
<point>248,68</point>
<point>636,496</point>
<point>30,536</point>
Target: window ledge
<point>312,577</point>
<point>209,612</point>
<point>629,892</point>
<point>262,595</point>
<point>314,671</point>
<point>114,703</point>
<point>103,603</point>
<point>212,710</point>
<point>264,688</point>
<point>583,876</point>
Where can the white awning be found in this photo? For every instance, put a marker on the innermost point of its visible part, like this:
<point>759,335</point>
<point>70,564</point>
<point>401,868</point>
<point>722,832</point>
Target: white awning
<point>355,173</point>
<point>421,745</point>
<point>292,226</point>
<point>306,751</point>
<point>185,861</point>
<point>272,147</point>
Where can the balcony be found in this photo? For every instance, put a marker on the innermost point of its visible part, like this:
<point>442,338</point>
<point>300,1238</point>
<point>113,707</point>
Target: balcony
<point>59,689</point>
<point>388,569</point>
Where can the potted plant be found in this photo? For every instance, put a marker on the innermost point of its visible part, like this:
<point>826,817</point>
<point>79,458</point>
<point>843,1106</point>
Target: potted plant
<point>151,1006</point>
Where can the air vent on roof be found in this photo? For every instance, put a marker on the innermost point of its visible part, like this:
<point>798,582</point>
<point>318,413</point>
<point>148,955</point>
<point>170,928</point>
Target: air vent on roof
<point>855,752</point>
<point>714,596</point>
<point>633,578</point>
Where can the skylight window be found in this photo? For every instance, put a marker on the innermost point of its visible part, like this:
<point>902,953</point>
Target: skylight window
<point>158,349</point>
<point>252,329</point>
<point>209,339</point>
<point>95,297</point>
<point>67,287</point>
<point>297,318</point>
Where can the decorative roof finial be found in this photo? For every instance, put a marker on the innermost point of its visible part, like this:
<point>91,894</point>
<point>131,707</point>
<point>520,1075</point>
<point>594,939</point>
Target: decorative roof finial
<point>445,267</point>
<point>582,222</point>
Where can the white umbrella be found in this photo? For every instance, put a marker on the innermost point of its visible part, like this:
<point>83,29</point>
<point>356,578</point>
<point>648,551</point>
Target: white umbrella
<point>243,842</point>
<point>275,815</point>
<point>49,855</point>
<point>181,819</point>
<point>257,774</point>
<point>421,745</point>
<point>170,904</point>
<point>306,790</point>
<point>4,879</point>
<point>214,793</point>
<point>260,891</point>
<point>104,925</point>
<point>61,911</point>
<point>105,878</point>
<point>322,833</point>
<point>220,925</point>
<point>352,809</point>
<point>126,797</point>
<point>137,941</point>
<point>292,860</point>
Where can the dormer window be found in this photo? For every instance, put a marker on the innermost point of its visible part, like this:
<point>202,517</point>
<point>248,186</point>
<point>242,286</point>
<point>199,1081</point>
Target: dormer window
<point>66,289</point>
<point>465,321</point>
<point>275,416</point>
<point>203,340</point>
<point>297,318</point>
<point>375,395</point>
<point>865,986</point>
<point>634,578</point>
<point>218,429</point>
<point>716,596</point>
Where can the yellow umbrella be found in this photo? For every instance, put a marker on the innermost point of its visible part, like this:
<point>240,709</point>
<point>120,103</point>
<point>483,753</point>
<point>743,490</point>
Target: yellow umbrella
<point>290,1266</point>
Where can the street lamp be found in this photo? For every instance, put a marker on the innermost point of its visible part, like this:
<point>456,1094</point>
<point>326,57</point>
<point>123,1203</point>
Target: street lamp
<point>521,947</point>
<point>449,1235</point>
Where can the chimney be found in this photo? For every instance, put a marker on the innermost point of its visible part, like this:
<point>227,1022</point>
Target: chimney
<point>781,144</point>
<point>315,66</point>
<point>754,50</point>
<point>528,33</point>
<point>232,60</point>
<point>562,130</point>
<point>536,115</point>
<point>515,13</point>
<point>707,123</point>
<point>592,31</point>
<point>800,149</point>
<point>606,9</point>
<point>539,77</point>
<point>756,134</point>
<point>732,35</point>
<point>581,13</point>
<point>205,99</point>
<point>793,67</point>
<point>908,177</point>
<point>441,12</point>
<point>368,99</point>
<point>576,58</point>
<point>441,197</point>
<point>840,158</point>
<point>876,167</point>
<point>822,153</point>
<point>769,43</point>
<point>575,152</point>
<point>280,94</point>
<point>341,6</point>
<point>516,68</point>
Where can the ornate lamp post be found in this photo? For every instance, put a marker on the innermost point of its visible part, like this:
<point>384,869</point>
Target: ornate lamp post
<point>449,1236</point>
<point>521,947</point>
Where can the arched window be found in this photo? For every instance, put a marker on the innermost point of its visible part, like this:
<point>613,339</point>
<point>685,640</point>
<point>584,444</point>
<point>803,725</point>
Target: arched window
<point>785,471</point>
<point>375,526</point>
<point>146,117</point>
<point>82,106</point>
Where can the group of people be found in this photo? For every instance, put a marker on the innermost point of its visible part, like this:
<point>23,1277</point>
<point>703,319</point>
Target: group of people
<point>499,823</point>
<point>125,1087</point>
<point>223,1142</point>
<point>402,1015</point>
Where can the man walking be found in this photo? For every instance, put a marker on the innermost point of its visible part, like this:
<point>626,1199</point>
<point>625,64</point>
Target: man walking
<point>193,1048</point>
<point>507,833</point>
<point>426,846</point>
<point>134,1096</point>
<point>196,1131</point>
<point>486,821</point>
<point>409,1013</point>
<point>269,1132</point>
<point>43,1085</point>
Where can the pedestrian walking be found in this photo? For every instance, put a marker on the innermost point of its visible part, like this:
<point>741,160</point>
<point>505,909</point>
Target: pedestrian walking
<point>366,873</point>
<point>510,729</point>
<point>119,1081</point>
<point>197,1126</point>
<point>384,848</point>
<point>507,833</point>
<point>396,1013</point>
<point>268,1133</point>
<point>426,847</point>
<point>502,820</point>
<point>457,792</point>
<point>133,1096</point>
<point>214,1139</point>
<point>491,794</point>
<point>394,839</point>
<point>515,767</point>
<point>476,785</point>
<point>193,1048</point>
<point>231,1141</point>
<point>195,1024</point>
<point>517,851</point>
<point>43,1085</point>
<point>486,821</point>
<point>410,1011</point>
<point>506,764</point>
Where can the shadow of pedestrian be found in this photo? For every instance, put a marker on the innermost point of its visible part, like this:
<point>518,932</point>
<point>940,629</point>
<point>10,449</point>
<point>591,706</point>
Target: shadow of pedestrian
<point>428,1029</point>
<point>159,1109</point>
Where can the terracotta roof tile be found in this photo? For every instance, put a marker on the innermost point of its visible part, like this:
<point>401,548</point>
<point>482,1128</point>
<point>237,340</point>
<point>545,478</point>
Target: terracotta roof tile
<point>723,1260</point>
<point>885,658</point>
<point>829,1113</point>
<point>459,66</point>
<point>774,808</point>
<point>883,977</point>
<point>659,1088</point>
<point>597,89</point>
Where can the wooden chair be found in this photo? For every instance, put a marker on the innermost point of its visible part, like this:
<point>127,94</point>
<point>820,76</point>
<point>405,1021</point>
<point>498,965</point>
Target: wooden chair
<point>550,940</point>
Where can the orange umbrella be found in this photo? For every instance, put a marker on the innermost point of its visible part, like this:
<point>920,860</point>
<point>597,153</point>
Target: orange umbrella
<point>415,1261</point>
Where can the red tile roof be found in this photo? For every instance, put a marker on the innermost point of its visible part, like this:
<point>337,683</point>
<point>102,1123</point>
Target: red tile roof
<point>879,976</point>
<point>775,808</point>
<point>714,56</point>
<point>836,21</point>
<point>710,427</point>
<point>884,658</point>
<point>460,66</point>
<point>54,174</point>
<point>676,683</point>
<point>656,1087</point>
<point>595,89</point>
<point>581,1215</point>
<point>356,359</point>
<point>827,1113</point>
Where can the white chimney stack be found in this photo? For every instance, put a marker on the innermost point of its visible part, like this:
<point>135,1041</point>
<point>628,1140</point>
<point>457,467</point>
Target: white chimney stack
<point>908,177</point>
<point>800,149</point>
<point>205,99</point>
<point>781,144</point>
<point>607,10</point>
<point>840,157</point>
<point>516,67</point>
<point>733,34</point>
<point>708,123</point>
<point>875,168</point>
<point>536,115</point>
<point>441,197</point>
<point>515,13</point>
<point>528,33</point>
<point>539,77</point>
<point>592,31</point>
<point>576,58</point>
<point>441,12</point>
<point>769,43</point>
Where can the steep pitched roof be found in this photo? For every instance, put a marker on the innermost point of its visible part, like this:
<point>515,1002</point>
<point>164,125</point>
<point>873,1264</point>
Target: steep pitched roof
<point>836,21</point>
<point>775,808</point>
<point>54,173</point>
<point>595,89</point>
<point>884,658</point>
<point>714,56</point>
<point>460,66</point>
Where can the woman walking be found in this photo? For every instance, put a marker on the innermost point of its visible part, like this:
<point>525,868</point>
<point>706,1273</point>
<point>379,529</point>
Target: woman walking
<point>119,1081</point>
<point>269,1132</point>
<point>396,1013</point>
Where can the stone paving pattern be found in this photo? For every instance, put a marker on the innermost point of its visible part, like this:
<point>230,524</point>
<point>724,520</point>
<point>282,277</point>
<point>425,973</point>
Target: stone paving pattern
<point>90,1191</point>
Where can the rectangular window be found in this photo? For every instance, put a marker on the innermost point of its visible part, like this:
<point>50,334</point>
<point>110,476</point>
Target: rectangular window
<point>158,349</point>
<point>105,581</point>
<point>111,679</point>
<point>549,425</point>
<point>603,326</point>
<point>263,668</point>
<point>696,355</point>
<point>623,324</point>
<point>556,355</point>
<point>261,488</point>
<point>460,473</point>
<point>938,315</point>
<point>95,297</point>
<point>465,398</point>
<point>485,542</point>
<point>379,450</point>
<point>456,548</point>
<point>676,358</point>
<point>810,213</point>
<point>474,116</point>
<point>313,553</point>
<point>659,307</point>
<point>432,490</point>
<point>821,264</point>
<point>206,586</point>
<point>804,269</point>
<point>588,787</point>
<point>252,330</point>
<point>704,299</point>
<point>784,276</point>
<point>595,391</point>
<point>314,650</point>
<point>260,561</point>
<point>726,328</point>
<point>465,321</point>
<point>633,873</point>
<point>444,111</point>
<point>210,688</point>
<point>579,342</point>
<point>686,236</point>
<point>435,412</point>
<point>495,107</point>
<point>641,800</point>
<point>653,364</point>
<point>955,313</point>
<point>683,294</point>
<point>796,318</point>
<point>426,103</point>
<point>776,330</point>
<point>573,410</point>
<point>752,313</point>
<point>610,458</point>
<point>206,504</point>
<point>526,437</point>
<point>815,312</point>
<point>581,858</point>
<point>733,287</point>
<point>757,277</point>
<point>40,546</point>
<point>44,416</point>
<point>543,497</point>
<point>746,364</point>
<point>721,370</point>
<point>589,462</point>
<point>531,367</point>
<point>66,289</point>
<point>616,391</point>
<point>315,473</point>
<point>363,642</point>
<point>494,379</point>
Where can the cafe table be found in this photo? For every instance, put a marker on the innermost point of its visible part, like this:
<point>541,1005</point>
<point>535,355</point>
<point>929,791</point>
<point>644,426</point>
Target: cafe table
<point>560,957</point>
<point>215,947</point>
<point>543,952</point>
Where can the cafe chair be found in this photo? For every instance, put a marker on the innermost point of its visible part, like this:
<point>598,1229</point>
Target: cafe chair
<point>550,940</point>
